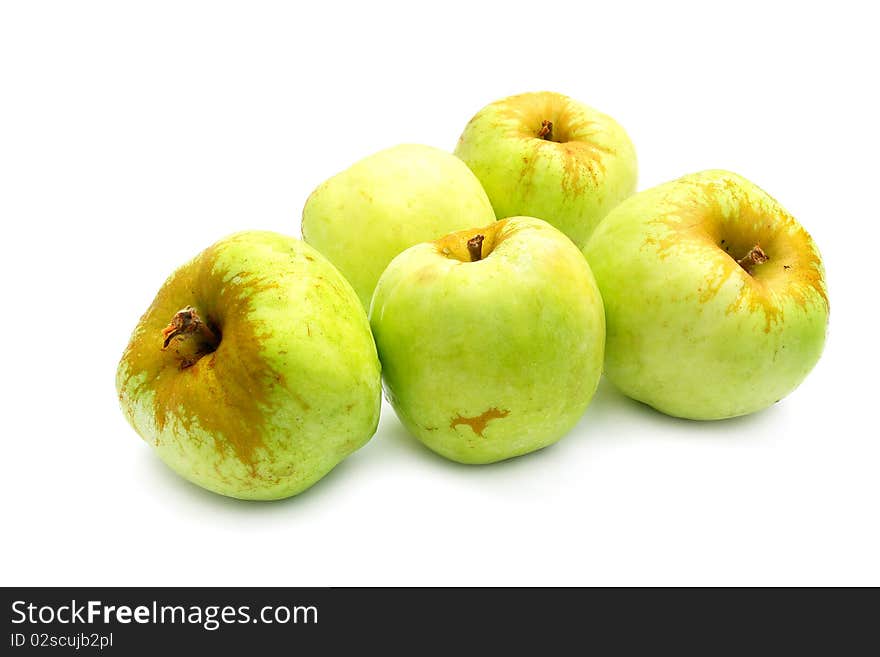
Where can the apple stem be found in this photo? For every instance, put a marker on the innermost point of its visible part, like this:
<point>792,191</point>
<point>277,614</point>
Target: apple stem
<point>754,257</point>
<point>546,131</point>
<point>475,247</point>
<point>186,322</point>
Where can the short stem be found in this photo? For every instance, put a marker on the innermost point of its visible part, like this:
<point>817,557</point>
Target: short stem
<point>475,247</point>
<point>186,322</point>
<point>753,258</point>
<point>546,131</point>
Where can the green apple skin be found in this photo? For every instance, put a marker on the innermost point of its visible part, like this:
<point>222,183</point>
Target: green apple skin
<point>363,217</point>
<point>690,331</point>
<point>487,360</point>
<point>571,178</point>
<point>292,388</point>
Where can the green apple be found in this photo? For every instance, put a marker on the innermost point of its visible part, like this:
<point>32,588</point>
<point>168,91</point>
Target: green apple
<point>363,217</point>
<point>549,156</point>
<point>253,373</point>
<point>490,339</point>
<point>715,297</point>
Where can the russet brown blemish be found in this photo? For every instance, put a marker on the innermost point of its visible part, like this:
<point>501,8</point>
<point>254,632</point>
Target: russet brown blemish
<point>765,282</point>
<point>478,423</point>
<point>228,394</point>
<point>562,129</point>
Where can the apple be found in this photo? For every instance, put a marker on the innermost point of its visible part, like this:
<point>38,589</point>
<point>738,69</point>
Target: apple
<point>715,297</point>
<point>253,372</point>
<point>547,155</point>
<point>491,339</point>
<point>363,217</point>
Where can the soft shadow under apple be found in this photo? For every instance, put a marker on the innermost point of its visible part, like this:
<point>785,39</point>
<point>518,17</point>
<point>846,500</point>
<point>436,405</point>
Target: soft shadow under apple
<point>325,487</point>
<point>610,401</point>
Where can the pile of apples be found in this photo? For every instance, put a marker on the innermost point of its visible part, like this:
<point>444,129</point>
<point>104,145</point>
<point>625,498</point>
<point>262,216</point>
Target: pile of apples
<point>489,289</point>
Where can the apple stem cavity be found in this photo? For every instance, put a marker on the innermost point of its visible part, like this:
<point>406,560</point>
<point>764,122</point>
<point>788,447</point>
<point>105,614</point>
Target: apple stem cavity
<point>475,247</point>
<point>753,258</point>
<point>186,323</point>
<point>546,131</point>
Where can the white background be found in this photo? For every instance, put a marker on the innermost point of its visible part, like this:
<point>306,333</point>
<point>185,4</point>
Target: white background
<point>132,136</point>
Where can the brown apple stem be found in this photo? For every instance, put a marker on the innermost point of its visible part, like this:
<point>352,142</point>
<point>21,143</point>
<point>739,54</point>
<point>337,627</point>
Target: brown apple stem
<point>546,131</point>
<point>753,258</point>
<point>186,322</point>
<point>475,247</point>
